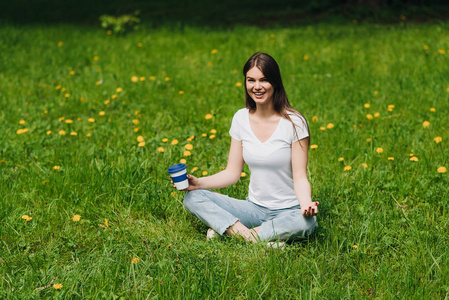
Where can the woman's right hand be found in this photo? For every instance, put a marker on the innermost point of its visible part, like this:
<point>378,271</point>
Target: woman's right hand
<point>193,183</point>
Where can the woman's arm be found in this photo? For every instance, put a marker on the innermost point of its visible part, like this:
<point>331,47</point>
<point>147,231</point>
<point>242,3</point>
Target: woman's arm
<point>300,182</point>
<point>224,178</point>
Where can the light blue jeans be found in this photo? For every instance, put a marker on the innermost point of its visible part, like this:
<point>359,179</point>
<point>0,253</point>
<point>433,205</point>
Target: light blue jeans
<point>219,212</point>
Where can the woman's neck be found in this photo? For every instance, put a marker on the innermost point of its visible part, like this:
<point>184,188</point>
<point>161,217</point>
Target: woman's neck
<point>265,111</point>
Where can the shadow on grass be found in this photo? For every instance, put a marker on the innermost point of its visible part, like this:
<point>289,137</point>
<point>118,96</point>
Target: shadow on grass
<point>226,13</point>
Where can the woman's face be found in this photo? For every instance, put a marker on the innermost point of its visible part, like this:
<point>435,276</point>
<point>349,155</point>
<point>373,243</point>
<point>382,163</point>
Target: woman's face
<point>258,87</point>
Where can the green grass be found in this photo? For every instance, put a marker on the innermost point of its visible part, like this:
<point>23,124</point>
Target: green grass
<point>383,230</point>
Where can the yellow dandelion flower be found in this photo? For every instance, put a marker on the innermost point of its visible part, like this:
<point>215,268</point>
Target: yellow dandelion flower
<point>204,173</point>
<point>204,134</point>
<point>322,128</point>
<point>212,136</point>
<point>182,161</point>
<point>379,150</point>
<point>73,133</point>
<point>341,159</point>
<point>243,174</point>
<point>137,112</point>
<point>142,78</point>
<point>314,146</point>
<point>209,64</point>
<point>58,87</point>
<point>181,92</point>
<point>88,135</point>
<point>432,109</point>
<point>367,105</point>
<point>109,32</point>
<point>189,146</point>
<point>101,113</point>
<point>2,161</point>
<point>347,168</point>
<point>27,218</point>
<point>208,116</point>
<point>238,84</point>
<point>368,140</point>
<point>140,138</point>
<point>234,71</point>
<point>56,168</point>
<point>306,57</point>
<point>20,131</point>
<point>134,78</point>
<point>426,124</point>
<point>67,95</point>
<point>106,222</point>
<point>79,119</point>
<point>136,129</point>
<point>187,153</point>
<point>135,121</point>
<point>213,131</point>
<point>72,72</point>
<point>141,144</point>
<point>48,132</point>
<point>214,51</point>
<point>63,89</point>
<point>390,158</point>
<point>96,58</point>
<point>330,126</point>
<point>91,120</point>
<point>152,77</point>
<point>21,122</point>
<point>191,138</point>
<point>167,78</point>
<point>441,51</point>
<point>438,139</point>
<point>161,149</point>
<point>194,169</point>
<point>391,106</point>
<point>107,102</point>
<point>164,140</point>
<point>60,43</point>
<point>76,218</point>
<point>369,116</point>
<point>355,246</point>
<point>414,158</point>
<point>376,92</point>
<point>99,82</point>
<point>441,170</point>
<point>119,89</point>
<point>113,97</point>
<point>61,132</point>
<point>174,142</point>
<point>139,45</point>
<point>68,121</point>
<point>314,119</point>
<point>57,286</point>
<point>376,115</point>
<point>365,165</point>
<point>135,260</point>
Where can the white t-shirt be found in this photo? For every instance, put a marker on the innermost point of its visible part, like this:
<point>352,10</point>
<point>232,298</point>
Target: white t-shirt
<point>270,163</point>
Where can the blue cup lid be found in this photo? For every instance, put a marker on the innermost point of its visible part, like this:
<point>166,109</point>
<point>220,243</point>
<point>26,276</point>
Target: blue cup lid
<point>177,168</point>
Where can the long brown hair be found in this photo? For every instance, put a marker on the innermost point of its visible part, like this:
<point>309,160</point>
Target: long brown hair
<point>270,69</point>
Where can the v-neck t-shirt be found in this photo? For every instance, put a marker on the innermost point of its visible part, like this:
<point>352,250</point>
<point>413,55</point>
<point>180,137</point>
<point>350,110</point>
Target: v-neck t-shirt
<point>270,163</point>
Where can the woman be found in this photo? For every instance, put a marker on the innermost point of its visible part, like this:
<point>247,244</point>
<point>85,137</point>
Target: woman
<point>272,139</point>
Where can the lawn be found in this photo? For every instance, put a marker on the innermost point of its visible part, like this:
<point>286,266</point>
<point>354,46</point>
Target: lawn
<point>91,121</point>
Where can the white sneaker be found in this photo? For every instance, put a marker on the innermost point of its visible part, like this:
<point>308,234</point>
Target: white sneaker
<point>211,234</point>
<point>277,244</point>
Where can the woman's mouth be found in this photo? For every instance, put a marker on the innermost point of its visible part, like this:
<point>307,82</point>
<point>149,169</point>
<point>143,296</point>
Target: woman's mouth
<point>259,94</point>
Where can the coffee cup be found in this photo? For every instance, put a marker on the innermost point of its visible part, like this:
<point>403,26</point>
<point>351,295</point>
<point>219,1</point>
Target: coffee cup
<point>178,174</point>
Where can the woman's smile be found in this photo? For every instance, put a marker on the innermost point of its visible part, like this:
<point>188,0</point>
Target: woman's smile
<point>257,86</point>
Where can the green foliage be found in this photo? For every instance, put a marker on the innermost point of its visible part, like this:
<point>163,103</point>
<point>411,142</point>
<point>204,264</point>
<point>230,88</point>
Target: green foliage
<point>80,99</point>
<point>121,24</point>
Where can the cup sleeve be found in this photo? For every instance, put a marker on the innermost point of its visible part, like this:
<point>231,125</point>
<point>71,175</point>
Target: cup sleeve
<point>234,130</point>
<point>301,129</point>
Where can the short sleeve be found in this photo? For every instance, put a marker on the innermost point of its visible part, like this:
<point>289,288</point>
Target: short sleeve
<point>234,131</point>
<point>301,130</point>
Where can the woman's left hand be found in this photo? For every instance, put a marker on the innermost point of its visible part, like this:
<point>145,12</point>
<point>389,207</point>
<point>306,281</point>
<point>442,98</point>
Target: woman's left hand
<point>310,209</point>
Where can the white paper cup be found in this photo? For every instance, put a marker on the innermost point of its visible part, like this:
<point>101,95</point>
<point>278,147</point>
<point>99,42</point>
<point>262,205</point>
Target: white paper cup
<point>178,174</point>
